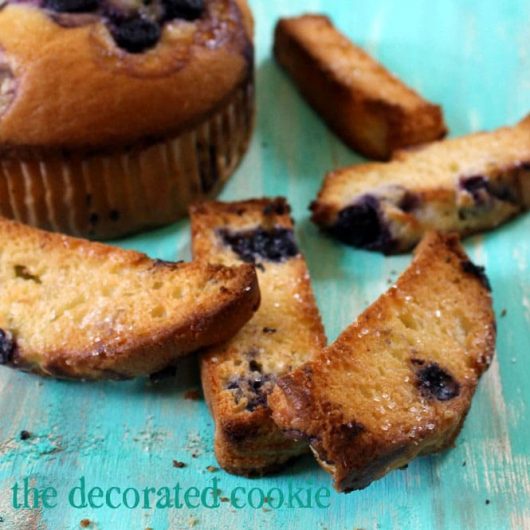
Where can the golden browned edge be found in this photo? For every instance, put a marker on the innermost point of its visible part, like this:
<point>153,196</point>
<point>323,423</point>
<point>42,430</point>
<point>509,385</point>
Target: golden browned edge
<point>145,354</point>
<point>246,443</point>
<point>372,126</point>
<point>111,195</point>
<point>354,465</point>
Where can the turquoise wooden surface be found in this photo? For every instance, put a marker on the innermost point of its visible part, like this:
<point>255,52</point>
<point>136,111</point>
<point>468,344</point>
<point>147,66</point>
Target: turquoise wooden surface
<point>473,56</point>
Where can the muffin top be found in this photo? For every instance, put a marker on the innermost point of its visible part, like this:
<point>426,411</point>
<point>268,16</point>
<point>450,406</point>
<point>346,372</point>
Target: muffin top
<point>101,74</point>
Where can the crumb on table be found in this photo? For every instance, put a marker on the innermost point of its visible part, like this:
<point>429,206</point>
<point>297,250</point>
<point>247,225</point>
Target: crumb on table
<point>25,435</point>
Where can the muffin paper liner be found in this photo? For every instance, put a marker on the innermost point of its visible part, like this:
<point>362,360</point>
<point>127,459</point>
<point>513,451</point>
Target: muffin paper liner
<point>114,194</point>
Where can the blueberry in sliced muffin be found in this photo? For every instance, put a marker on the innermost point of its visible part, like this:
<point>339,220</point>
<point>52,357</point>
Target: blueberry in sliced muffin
<point>239,375</point>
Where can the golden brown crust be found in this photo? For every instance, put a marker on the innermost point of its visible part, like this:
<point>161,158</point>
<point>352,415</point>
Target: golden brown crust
<point>109,98</point>
<point>362,405</point>
<point>51,340</point>
<point>285,332</point>
<point>374,117</point>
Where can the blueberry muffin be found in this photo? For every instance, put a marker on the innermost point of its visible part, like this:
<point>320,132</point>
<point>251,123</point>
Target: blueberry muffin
<point>465,185</point>
<point>116,114</point>
<point>286,331</point>
<point>397,383</point>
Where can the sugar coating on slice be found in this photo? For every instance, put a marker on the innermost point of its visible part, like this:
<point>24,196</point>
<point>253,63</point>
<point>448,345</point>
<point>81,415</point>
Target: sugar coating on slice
<point>274,244</point>
<point>398,382</point>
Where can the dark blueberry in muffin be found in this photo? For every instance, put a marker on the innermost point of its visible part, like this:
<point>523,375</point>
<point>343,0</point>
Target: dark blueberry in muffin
<point>255,387</point>
<point>275,244</point>
<point>409,202</point>
<point>360,225</point>
<point>7,347</point>
<point>483,190</point>
<point>474,185</point>
<point>435,382</point>
<point>183,9</point>
<point>72,6</point>
<point>135,34</point>
<point>477,271</point>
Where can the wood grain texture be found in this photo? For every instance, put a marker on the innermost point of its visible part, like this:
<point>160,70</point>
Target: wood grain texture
<point>471,56</point>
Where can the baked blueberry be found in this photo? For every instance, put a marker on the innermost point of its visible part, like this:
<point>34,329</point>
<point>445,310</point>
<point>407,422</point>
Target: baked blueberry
<point>474,185</point>
<point>483,190</point>
<point>135,34</point>
<point>478,271</point>
<point>435,382</point>
<point>360,225</point>
<point>255,387</point>
<point>275,244</point>
<point>184,9</point>
<point>71,6</point>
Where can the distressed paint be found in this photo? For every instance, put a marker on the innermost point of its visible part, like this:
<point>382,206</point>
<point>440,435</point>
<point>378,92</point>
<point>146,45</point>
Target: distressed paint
<point>474,58</point>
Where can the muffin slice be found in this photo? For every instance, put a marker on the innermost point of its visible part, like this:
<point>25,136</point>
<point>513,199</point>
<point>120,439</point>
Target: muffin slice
<point>398,382</point>
<point>465,185</point>
<point>368,107</point>
<point>286,331</point>
<point>75,309</point>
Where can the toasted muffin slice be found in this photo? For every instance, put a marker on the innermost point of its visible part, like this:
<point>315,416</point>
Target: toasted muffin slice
<point>285,332</point>
<point>75,309</point>
<point>465,185</point>
<point>369,108</point>
<point>398,382</point>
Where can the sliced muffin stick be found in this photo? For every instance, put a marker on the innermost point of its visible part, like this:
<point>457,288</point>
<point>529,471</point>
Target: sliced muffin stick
<point>285,332</point>
<point>398,382</point>
<point>465,185</point>
<point>369,108</point>
<point>76,309</point>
